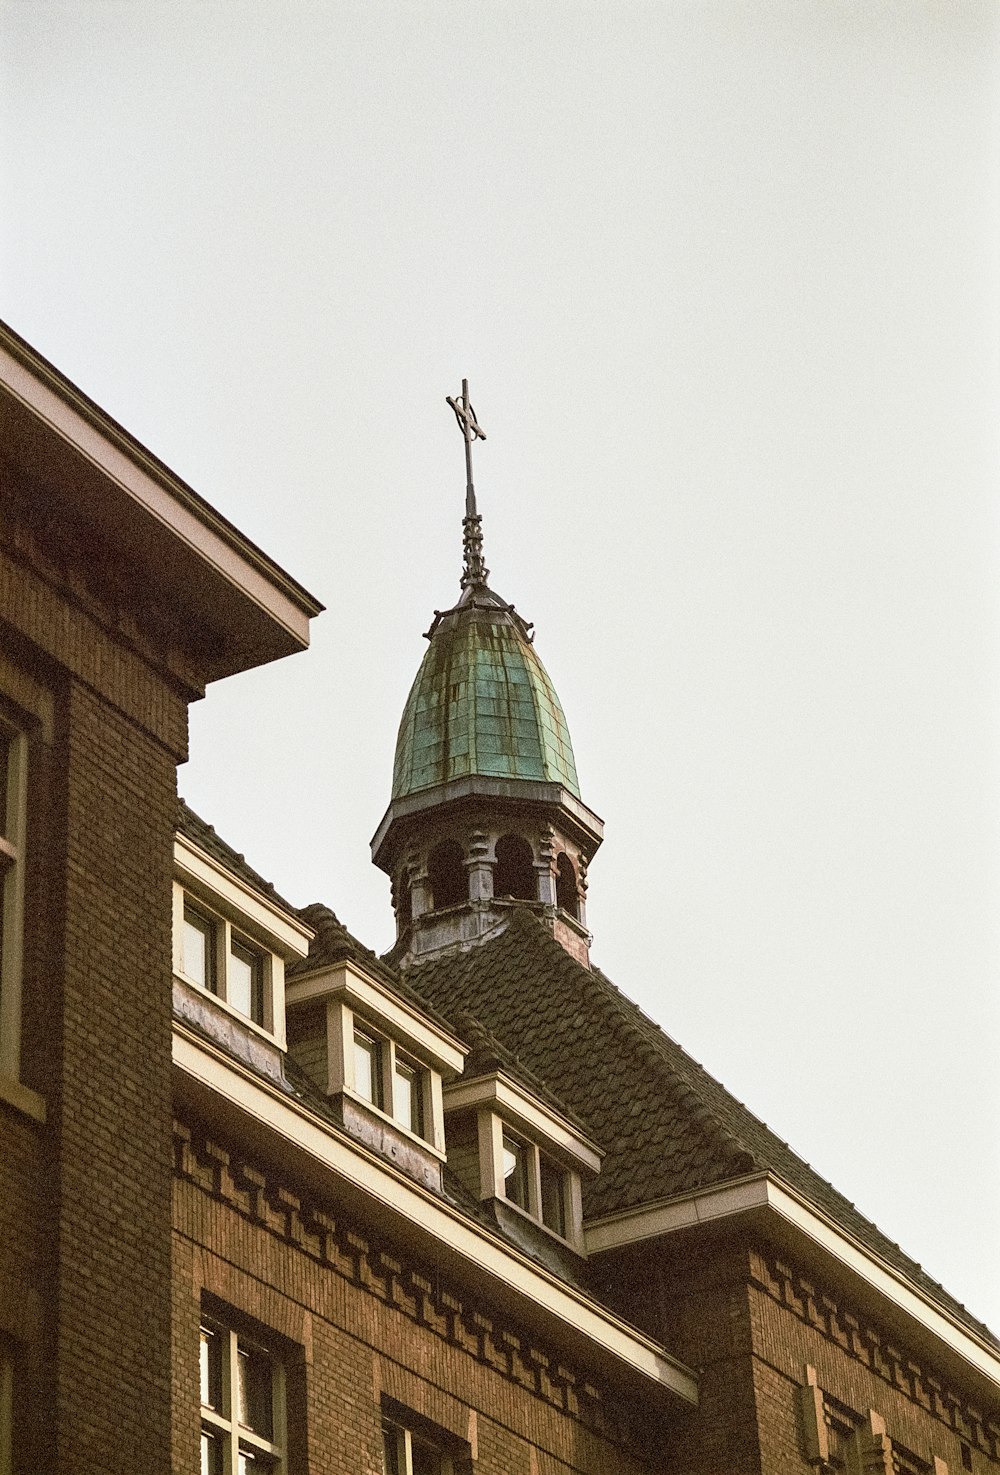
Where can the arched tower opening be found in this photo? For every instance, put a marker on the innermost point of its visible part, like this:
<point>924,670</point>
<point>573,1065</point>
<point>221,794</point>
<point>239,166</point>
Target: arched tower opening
<point>514,872</point>
<point>567,891</point>
<point>447,875</point>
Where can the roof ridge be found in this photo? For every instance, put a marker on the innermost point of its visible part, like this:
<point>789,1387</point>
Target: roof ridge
<point>650,1119</point>
<point>736,1153</point>
<point>207,838</point>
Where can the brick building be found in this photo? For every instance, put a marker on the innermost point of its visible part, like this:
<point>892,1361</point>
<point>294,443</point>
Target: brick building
<point>270,1202</point>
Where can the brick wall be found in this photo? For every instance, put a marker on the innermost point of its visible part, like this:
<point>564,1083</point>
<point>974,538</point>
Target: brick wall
<point>86,1196</point>
<point>111,1109</point>
<point>357,1327</point>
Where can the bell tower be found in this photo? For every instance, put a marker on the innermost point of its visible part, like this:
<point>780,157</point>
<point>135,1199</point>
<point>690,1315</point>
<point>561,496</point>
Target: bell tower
<point>486,812</point>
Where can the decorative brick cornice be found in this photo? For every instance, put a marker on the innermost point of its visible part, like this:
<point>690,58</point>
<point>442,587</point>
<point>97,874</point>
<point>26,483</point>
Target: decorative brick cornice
<point>880,1352</point>
<point>416,1291</point>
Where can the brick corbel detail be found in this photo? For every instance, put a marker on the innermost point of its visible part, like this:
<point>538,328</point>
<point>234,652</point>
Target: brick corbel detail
<point>413,1291</point>
<point>862,1340</point>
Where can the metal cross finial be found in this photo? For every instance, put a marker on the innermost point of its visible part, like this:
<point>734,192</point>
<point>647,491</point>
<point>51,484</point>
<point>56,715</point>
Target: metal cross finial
<point>475,571</point>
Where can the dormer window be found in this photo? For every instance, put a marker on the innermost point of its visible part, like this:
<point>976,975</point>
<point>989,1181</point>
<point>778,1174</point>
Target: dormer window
<point>391,1083</point>
<point>231,943</point>
<point>534,1183</point>
<point>507,1144</point>
<point>362,1042</point>
<point>215,957</point>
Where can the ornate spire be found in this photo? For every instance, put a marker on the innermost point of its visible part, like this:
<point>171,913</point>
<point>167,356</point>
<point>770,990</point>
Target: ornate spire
<point>474,571</point>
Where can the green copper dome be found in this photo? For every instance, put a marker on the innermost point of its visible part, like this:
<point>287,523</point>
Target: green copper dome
<point>482,704</point>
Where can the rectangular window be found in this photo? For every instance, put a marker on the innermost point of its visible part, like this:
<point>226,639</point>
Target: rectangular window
<point>552,1183</point>
<point>368,1068</point>
<point>242,1405</point>
<point>406,1453</point>
<point>213,956</point>
<point>407,1096</point>
<point>246,981</point>
<point>199,955</point>
<point>13,819</point>
<point>515,1171</point>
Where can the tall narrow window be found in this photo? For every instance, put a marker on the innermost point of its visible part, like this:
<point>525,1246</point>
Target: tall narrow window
<point>447,874</point>
<point>567,895</point>
<point>246,981</point>
<point>242,1405</point>
<point>407,1104</point>
<point>368,1068</point>
<point>552,1181</point>
<point>515,1171</point>
<point>199,959</point>
<point>13,817</point>
<point>406,1453</point>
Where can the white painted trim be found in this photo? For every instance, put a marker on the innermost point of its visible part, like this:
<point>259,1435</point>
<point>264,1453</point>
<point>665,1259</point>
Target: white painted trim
<point>564,1306</point>
<point>384,1009</point>
<point>528,1114</point>
<point>766,1193</point>
<point>260,917</point>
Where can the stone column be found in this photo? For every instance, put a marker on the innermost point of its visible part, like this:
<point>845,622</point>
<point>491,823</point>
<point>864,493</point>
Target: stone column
<point>480,866</point>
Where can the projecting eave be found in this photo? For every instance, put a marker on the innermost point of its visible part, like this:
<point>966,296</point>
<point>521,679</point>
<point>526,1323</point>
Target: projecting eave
<point>580,820</point>
<point>327,1162</point>
<point>167,542</point>
<point>789,1220</point>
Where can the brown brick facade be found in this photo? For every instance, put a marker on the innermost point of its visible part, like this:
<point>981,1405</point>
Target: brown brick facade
<point>136,1200</point>
<point>363,1325</point>
<point>85,1201</point>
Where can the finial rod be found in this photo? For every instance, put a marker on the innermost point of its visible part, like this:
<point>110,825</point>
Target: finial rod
<point>475,571</point>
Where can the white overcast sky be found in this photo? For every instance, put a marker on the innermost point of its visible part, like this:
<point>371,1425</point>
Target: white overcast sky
<point>723,277</point>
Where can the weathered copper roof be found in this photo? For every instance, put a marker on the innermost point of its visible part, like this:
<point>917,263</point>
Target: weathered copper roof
<point>482,704</point>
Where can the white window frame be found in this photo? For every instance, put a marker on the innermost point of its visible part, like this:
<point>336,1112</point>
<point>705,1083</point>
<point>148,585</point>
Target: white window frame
<point>12,848</point>
<point>222,1423</point>
<point>225,934</point>
<point>492,1128</point>
<point>403,1439</point>
<point>496,1129</point>
<point>389,1054</point>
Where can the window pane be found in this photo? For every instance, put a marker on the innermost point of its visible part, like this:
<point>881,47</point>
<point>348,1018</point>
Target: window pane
<point>211,1368</point>
<point>426,1459</point>
<point>406,1092</point>
<point>198,960</point>
<point>553,1204</point>
<point>368,1068</point>
<point>245,989</point>
<point>211,1454</point>
<point>254,1462</point>
<point>515,1171</point>
<point>390,1450</point>
<point>254,1382</point>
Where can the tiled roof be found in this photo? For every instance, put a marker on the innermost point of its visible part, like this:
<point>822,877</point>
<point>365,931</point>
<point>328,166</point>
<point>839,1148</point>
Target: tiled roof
<point>200,833</point>
<point>333,944</point>
<point>667,1125</point>
<point>487,1054</point>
